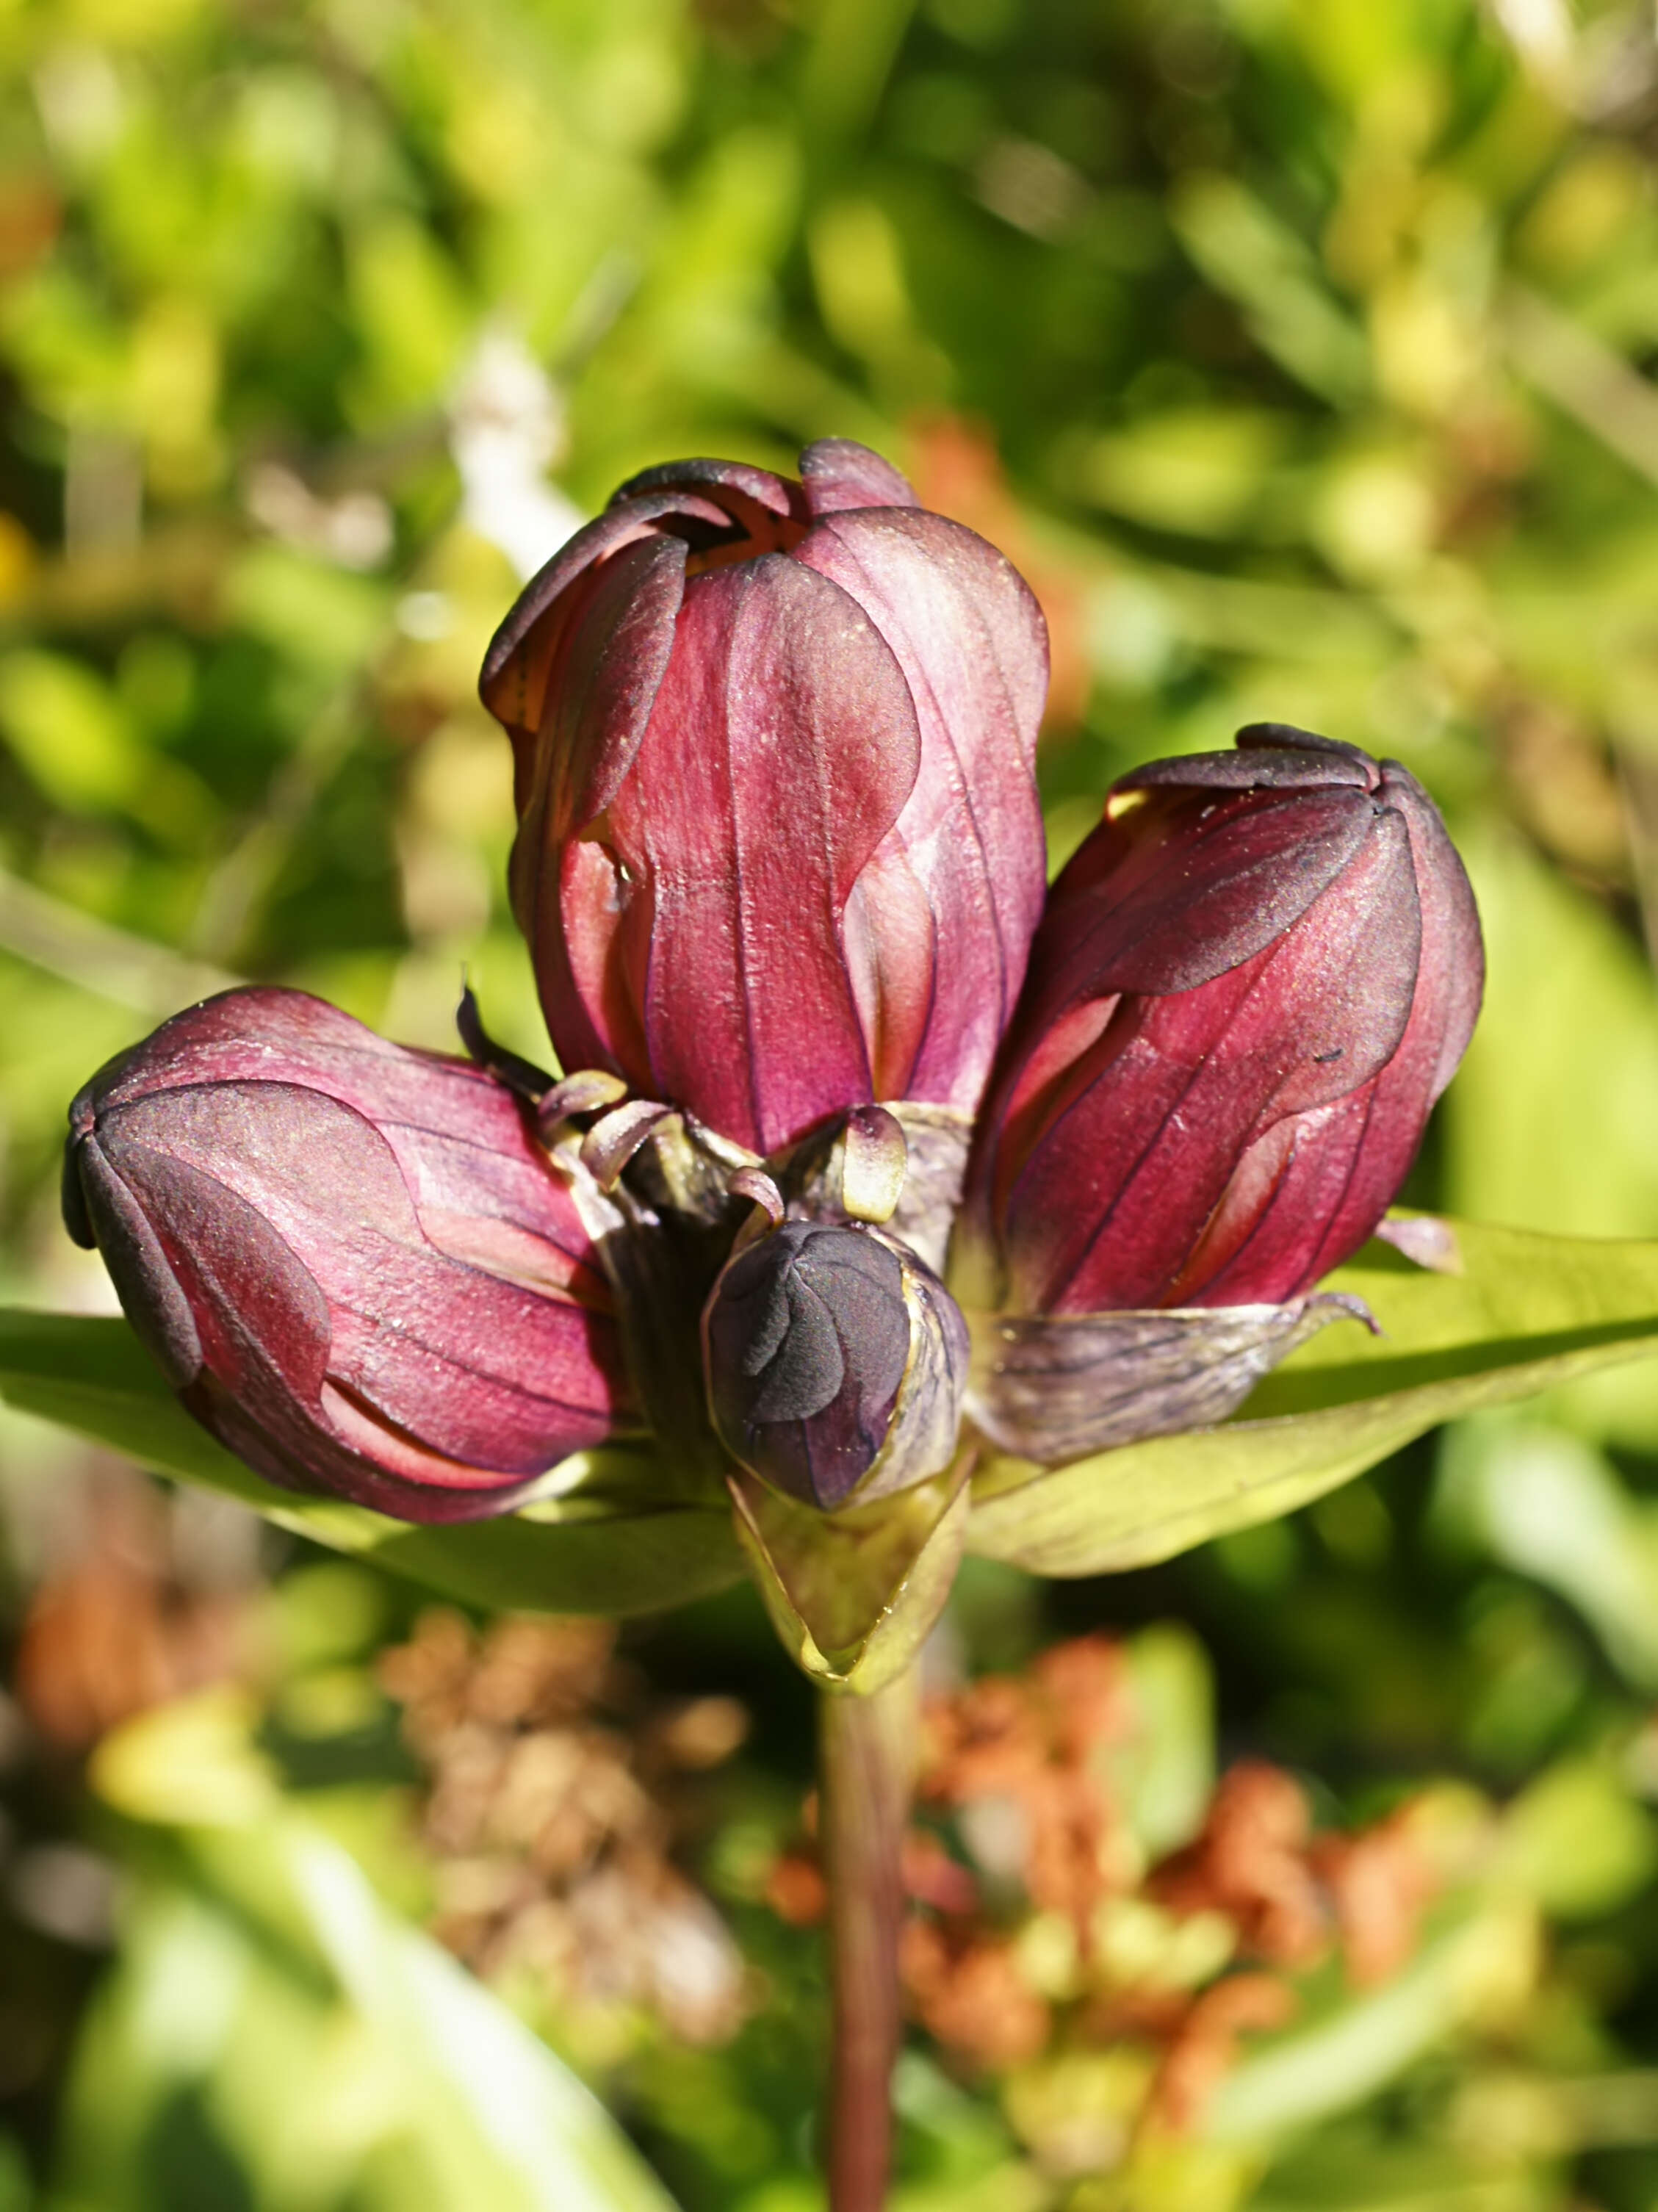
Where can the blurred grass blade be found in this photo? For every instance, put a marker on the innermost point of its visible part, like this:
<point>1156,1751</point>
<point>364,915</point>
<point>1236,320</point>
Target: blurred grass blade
<point>251,1914</point>
<point>1248,254</point>
<point>1548,1505</point>
<point>850,57</point>
<point>1527,1312</point>
<point>1341,2060</point>
<point>501,2100</point>
<point>615,1541</point>
<point>79,949</point>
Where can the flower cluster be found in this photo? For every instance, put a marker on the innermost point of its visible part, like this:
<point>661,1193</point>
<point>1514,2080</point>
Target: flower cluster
<point>865,1149</point>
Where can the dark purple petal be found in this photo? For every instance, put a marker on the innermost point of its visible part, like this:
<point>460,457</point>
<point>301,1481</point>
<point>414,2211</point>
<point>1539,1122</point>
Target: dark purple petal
<point>785,734</point>
<point>512,680</point>
<point>733,786</point>
<point>806,1339</point>
<point>838,473</point>
<point>1271,756</point>
<point>1284,737</point>
<point>1157,902</point>
<point>963,873</point>
<point>352,1261</point>
<point>774,493</point>
<point>835,1363</point>
<point>1247,994</point>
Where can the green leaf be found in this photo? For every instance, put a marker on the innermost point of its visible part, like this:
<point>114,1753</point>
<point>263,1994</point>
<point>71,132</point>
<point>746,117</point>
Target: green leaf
<point>617,1542</point>
<point>1526,1312</point>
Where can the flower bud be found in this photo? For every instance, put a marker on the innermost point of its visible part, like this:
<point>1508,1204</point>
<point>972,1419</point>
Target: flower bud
<point>352,1261</point>
<point>835,1363</point>
<point>779,847</point>
<point>1250,986</point>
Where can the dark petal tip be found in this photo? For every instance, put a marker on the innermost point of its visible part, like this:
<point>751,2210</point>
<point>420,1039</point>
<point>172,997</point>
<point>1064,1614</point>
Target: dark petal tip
<point>76,1219</point>
<point>520,1075</point>
<point>1286,736</point>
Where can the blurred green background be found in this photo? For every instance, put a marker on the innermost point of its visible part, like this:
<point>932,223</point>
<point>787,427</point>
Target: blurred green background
<point>1300,352</point>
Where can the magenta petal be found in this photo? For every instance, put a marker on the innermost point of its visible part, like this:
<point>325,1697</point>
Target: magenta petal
<point>1453,950</point>
<point>1451,976</point>
<point>115,1224</point>
<point>1288,1198</point>
<point>838,473</point>
<point>1270,756</point>
<point>1122,1187</point>
<point>355,1263</point>
<point>616,635</point>
<point>1250,986</point>
<point>610,673</point>
<point>785,732</point>
<point>973,647</point>
<point>251,1293</point>
<point>361,1471</point>
<point>480,1369</point>
<point>458,1134</point>
<point>1137,912</point>
<point>774,493</point>
<point>512,683</point>
<point>669,887</point>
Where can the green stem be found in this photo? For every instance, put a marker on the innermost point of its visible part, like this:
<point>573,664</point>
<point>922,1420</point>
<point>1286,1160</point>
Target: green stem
<point>867,1754</point>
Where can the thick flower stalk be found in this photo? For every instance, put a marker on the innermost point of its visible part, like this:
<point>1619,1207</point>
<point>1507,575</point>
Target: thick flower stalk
<point>352,1261</point>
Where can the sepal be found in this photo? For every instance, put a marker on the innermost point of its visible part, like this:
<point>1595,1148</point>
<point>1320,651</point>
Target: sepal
<point>854,1596</point>
<point>1050,1387</point>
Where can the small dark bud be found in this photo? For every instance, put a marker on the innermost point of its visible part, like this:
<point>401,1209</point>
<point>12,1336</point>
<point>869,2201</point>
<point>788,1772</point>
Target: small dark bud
<point>835,1363</point>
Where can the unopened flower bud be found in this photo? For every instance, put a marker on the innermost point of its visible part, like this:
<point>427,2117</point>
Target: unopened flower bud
<point>779,848</point>
<point>353,1261</point>
<point>1250,986</point>
<point>835,1363</point>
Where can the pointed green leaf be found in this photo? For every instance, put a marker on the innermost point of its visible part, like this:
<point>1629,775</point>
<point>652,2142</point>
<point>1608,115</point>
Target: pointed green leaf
<point>616,1541</point>
<point>853,1596</point>
<point>1526,1312</point>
